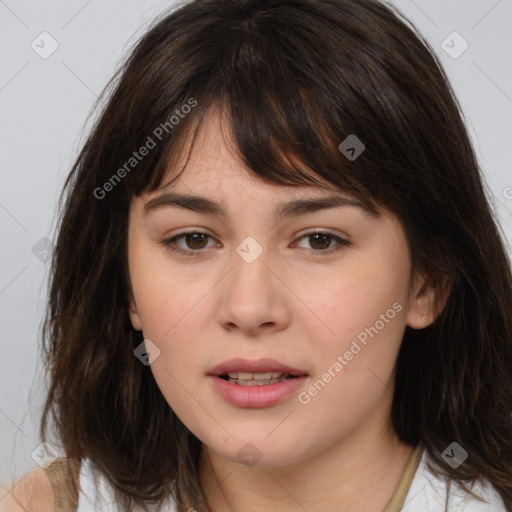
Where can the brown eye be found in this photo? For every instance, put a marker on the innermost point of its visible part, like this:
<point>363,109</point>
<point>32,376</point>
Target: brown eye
<point>320,240</point>
<point>195,240</point>
<point>194,243</point>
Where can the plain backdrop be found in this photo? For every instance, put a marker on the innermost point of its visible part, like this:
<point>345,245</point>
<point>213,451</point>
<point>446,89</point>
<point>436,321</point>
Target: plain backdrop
<point>45,101</point>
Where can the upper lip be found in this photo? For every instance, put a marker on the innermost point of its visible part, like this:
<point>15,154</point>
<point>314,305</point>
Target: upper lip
<point>239,364</point>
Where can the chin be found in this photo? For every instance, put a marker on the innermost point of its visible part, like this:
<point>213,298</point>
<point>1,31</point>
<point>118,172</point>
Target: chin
<point>259,450</point>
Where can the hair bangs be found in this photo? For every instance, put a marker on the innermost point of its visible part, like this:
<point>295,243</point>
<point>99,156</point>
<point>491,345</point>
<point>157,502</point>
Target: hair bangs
<point>276,124</point>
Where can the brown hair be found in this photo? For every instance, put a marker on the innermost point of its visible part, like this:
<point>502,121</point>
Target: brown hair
<point>295,77</point>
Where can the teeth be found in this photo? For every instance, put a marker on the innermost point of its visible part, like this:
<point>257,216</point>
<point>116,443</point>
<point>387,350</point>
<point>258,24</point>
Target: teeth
<point>255,376</point>
<point>255,382</point>
<point>257,379</point>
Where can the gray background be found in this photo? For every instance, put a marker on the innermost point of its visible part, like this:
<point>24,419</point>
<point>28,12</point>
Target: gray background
<point>44,104</point>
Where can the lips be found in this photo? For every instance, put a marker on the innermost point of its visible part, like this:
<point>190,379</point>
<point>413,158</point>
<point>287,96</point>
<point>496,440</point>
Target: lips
<point>254,366</point>
<point>244,383</point>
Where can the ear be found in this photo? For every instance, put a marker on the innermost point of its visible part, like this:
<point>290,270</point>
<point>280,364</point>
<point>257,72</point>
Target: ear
<point>427,300</point>
<point>134,313</point>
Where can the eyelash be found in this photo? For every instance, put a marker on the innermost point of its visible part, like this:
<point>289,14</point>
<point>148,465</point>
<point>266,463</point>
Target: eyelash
<point>171,243</point>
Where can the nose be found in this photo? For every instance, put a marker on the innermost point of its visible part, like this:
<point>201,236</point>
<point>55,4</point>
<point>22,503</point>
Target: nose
<point>254,298</point>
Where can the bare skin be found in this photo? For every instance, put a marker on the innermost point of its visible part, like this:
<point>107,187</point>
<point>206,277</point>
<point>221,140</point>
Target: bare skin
<point>30,493</point>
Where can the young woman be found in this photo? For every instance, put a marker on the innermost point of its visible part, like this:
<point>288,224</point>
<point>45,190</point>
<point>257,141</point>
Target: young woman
<point>278,283</point>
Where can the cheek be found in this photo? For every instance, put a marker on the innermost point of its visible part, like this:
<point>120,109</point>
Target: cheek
<point>164,295</point>
<point>364,308</point>
<point>170,308</point>
<point>359,295</point>
<point>355,364</point>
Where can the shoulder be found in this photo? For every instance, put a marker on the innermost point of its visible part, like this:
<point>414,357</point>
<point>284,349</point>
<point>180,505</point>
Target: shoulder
<point>429,492</point>
<point>52,489</point>
<point>32,492</point>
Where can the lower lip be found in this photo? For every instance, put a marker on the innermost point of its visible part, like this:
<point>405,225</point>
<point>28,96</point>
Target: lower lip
<point>256,396</point>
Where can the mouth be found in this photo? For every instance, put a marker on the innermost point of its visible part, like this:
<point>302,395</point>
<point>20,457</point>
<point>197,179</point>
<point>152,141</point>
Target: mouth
<point>255,372</point>
<point>259,383</point>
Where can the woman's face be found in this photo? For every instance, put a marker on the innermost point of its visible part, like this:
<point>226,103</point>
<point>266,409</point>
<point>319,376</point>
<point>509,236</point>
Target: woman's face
<point>252,286</point>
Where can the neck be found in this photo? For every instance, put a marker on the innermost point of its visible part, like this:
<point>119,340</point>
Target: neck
<point>357,474</point>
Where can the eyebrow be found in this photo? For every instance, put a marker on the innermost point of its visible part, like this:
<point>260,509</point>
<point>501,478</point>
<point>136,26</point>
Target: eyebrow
<point>295,208</point>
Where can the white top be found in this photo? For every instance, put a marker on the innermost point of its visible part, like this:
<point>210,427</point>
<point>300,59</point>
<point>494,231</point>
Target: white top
<point>427,493</point>
<point>97,495</point>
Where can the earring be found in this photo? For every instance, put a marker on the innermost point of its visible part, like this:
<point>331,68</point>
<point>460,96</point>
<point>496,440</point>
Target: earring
<point>424,318</point>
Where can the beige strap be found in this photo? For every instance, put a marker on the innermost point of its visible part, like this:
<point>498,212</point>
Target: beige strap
<point>64,475</point>
<point>398,498</point>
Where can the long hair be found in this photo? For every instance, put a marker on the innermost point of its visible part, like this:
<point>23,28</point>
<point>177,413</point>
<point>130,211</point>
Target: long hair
<point>295,79</point>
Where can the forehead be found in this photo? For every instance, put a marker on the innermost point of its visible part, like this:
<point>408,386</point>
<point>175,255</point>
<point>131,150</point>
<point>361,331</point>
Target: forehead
<point>211,161</point>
